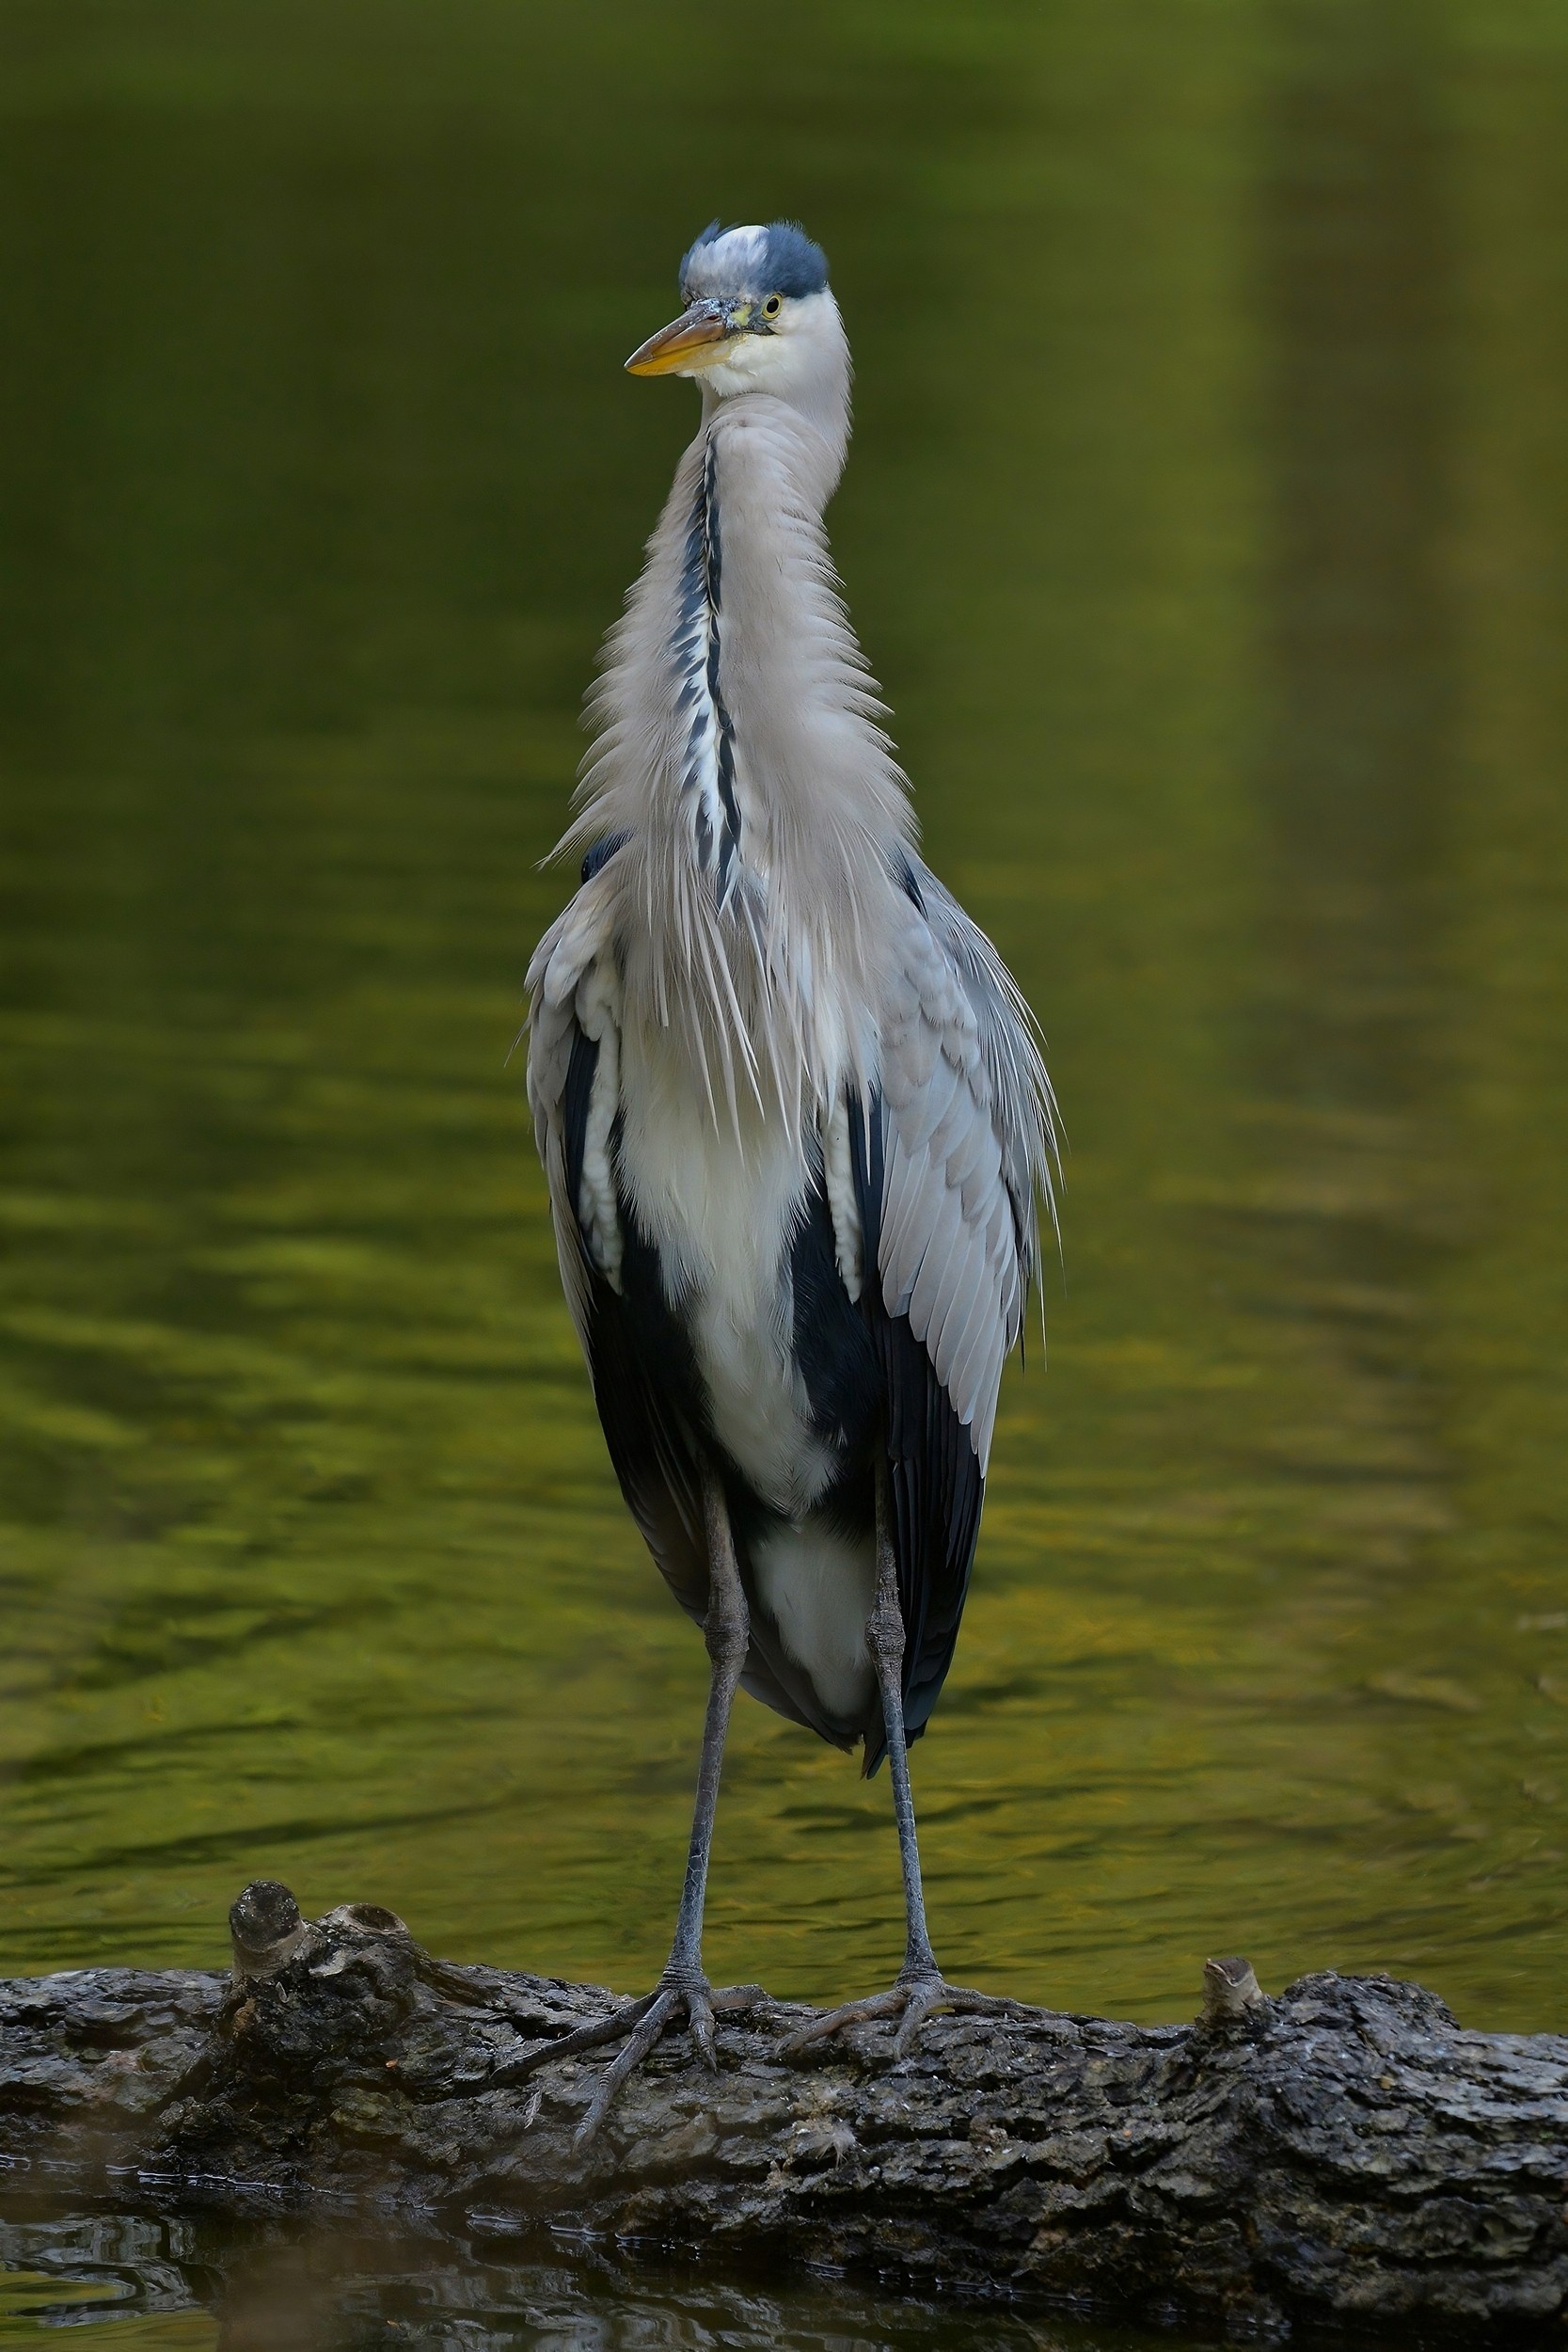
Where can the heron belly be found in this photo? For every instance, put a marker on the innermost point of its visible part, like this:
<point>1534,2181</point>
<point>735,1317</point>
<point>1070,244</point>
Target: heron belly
<point>817,1586</point>
<point>719,1212</point>
<point>727,1217</point>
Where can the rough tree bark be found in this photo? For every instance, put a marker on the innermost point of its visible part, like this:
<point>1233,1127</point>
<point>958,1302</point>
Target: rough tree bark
<point>1343,2150</point>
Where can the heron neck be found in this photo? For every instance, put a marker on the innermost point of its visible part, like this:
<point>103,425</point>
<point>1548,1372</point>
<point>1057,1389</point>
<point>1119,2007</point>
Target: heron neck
<point>741,760</point>
<point>813,457</point>
<point>783,675</point>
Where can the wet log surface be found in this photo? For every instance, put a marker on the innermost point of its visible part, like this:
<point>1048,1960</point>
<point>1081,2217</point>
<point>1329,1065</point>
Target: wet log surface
<point>1343,2151</point>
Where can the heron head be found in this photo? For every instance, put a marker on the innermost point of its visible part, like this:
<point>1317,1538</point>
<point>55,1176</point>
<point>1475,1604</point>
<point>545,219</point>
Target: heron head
<point>759,317</point>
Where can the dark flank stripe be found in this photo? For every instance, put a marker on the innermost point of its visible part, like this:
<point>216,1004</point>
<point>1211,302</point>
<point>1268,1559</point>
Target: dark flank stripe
<point>934,1474</point>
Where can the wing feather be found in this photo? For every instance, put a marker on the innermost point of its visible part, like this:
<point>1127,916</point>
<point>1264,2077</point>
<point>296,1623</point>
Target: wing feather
<point>957,1132</point>
<point>929,1107</point>
<point>647,1426</point>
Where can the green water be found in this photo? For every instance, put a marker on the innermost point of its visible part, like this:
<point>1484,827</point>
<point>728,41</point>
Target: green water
<point>1206,522</point>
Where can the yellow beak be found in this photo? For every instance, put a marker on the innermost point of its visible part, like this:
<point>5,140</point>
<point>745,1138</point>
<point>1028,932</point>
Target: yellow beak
<point>687,344</point>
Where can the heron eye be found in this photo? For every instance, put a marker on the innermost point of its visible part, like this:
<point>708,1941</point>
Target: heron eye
<point>773,304</point>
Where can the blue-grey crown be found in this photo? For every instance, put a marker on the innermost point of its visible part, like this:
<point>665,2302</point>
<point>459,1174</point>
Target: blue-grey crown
<point>754,261</point>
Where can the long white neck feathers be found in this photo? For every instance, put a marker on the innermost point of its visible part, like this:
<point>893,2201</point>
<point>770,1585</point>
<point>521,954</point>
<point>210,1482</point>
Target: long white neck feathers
<point>738,751</point>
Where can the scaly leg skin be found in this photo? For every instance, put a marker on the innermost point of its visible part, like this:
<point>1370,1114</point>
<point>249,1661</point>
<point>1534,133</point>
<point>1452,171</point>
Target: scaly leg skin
<point>683,1992</point>
<point>920,1987</point>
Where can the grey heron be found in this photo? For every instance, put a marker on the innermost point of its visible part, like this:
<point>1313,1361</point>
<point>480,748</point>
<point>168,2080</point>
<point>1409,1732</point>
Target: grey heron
<point>791,1106</point>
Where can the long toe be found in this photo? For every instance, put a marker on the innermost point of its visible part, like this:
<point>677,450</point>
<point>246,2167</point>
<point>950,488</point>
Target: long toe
<point>889,2004</point>
<point>645,2022</point>
<point>619,2022</point>
<point>928,1994</point>
<point>912,2000</point>
<point>626,2062</point>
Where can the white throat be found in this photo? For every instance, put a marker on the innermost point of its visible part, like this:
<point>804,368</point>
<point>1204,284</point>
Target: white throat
<point>805,364</point>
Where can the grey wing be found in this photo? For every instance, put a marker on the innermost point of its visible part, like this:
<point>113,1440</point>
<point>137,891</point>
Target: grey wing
<point>574,1045</point>
<point>972,1137</point>
<point>954,1139</point>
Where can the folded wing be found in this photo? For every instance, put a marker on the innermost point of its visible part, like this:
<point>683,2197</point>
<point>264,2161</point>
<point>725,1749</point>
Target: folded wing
<point>949,1145</point>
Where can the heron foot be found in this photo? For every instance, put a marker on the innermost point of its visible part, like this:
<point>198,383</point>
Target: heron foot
<point>675,1999</point>
<point>915,1995</point>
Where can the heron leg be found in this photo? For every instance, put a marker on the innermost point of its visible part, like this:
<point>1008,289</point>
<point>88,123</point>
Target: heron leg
<point>726,1631</point>
<point>919,1987</point>
<point>682,1990</point>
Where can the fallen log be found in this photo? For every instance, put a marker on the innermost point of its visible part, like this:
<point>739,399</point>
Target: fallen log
<point>1343,2150</point>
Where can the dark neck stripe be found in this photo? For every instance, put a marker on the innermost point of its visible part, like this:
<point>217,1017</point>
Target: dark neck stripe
<point>714,569</point>
<point>716,813</point>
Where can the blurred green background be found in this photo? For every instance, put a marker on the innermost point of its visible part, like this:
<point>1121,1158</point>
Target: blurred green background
<point>1206,523</point>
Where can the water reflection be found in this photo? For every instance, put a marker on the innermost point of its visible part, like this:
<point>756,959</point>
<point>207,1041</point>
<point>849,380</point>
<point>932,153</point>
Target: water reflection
<point>187,2286</point>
